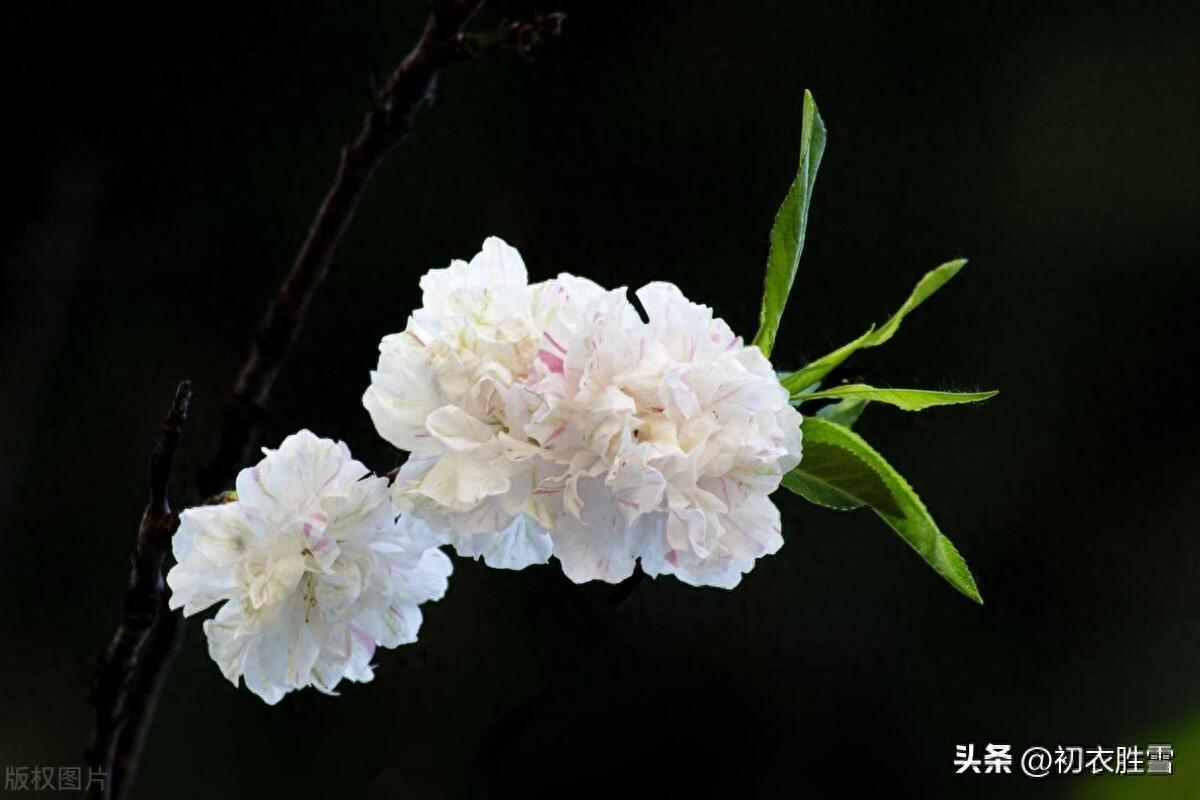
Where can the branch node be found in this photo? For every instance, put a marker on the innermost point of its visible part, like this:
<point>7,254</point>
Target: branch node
<point>520,36</point>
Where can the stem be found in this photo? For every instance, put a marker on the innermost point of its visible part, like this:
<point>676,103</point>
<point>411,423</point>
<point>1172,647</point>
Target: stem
<point>144,601</point>
<point>386,124</point>
<point>130,673</point>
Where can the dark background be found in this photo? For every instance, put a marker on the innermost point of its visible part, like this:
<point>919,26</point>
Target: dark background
<point>162,162</point>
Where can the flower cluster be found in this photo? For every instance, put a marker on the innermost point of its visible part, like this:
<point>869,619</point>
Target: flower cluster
<point>313,568</point>
<point>542,420</point>
<point>552,419</point>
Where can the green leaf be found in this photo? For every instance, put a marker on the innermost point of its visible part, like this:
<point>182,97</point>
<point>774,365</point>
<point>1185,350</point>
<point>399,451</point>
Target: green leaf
<point>836,478</point>
<point>798,382</point>
<point>844,413</point>
<point>787,233</point>
<point>903,512</point>
<point>932,281</point>
<point>925,288</point>
<point>904,399</point>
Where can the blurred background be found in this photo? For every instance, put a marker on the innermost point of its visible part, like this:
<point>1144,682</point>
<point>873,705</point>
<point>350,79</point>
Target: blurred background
<point>162,163</point>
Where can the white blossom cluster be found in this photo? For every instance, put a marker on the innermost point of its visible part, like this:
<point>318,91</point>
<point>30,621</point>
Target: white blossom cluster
<point>313,568</point>
<point>552,419</point>
<point>542,420</point>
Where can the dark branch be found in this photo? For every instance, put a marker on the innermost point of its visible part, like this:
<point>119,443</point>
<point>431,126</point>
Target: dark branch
<point>133,668</point>
<point>386,124</point>
<point>144,599</point>
<point>520,36</point>
<point>157,653</point>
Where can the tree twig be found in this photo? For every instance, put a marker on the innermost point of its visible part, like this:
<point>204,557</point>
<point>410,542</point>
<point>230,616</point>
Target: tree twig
<point>144,599</point>
<point>133,668</point>
<point>157,654</point>
<point>386,124</point>
<point>520,36</point>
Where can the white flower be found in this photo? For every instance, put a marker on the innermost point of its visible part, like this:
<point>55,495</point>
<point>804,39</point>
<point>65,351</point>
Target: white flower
<point>670,435</point>
<point>445,390</point>
<point>552,419</point>
<point>313,566</point>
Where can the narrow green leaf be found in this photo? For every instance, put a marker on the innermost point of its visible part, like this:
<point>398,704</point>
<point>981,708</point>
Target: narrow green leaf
<point>837,478</point>
<point>788,230</point>
<point>844,413</point>
<point>925,288</point>
<point>904,399</point>
<point>932,281</point>
<point>905,514</point>
<point>798,382</point>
